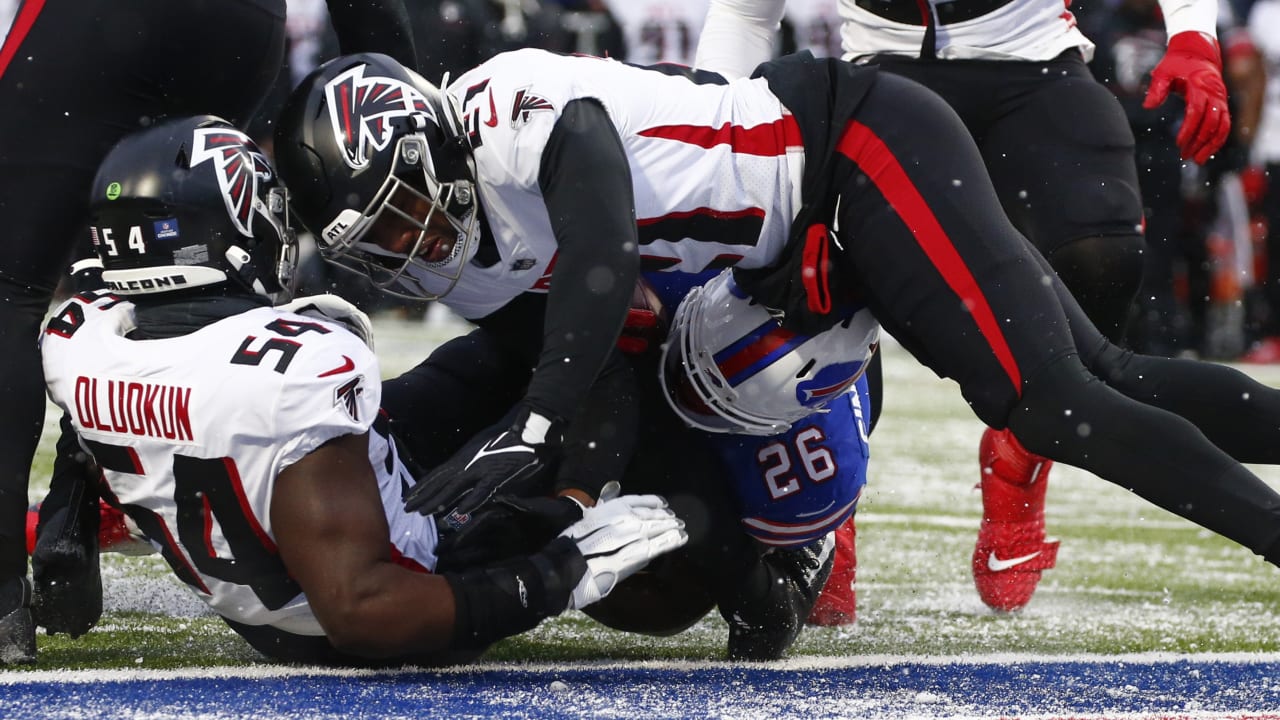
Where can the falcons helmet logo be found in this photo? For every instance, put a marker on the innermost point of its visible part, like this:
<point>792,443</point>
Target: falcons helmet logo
<point>238,167</point>
<point>361,110</point>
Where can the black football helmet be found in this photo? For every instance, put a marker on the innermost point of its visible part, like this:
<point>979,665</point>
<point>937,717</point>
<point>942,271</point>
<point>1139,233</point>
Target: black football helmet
<point>358,137</point>
<point>190,202</point>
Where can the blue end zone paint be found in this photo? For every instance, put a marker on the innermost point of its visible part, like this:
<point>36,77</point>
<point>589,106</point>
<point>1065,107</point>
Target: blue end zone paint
<point>1187,687</point>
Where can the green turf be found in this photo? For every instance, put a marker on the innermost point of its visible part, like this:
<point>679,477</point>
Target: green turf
<point>1130,577</point>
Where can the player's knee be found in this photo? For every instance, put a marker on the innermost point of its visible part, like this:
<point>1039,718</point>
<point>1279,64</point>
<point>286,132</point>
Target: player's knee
<point>1103,273</point>
<point>1101,264</point>
<point>664,599</point>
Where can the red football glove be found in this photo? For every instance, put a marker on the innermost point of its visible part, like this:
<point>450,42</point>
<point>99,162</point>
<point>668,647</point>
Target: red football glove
<point>1192,67</point>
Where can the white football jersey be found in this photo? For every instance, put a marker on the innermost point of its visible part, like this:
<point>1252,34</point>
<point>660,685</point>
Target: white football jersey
<point>716,169</point>
<point>1019,30</point>
<point>659,30</point>
<point>192,431</point>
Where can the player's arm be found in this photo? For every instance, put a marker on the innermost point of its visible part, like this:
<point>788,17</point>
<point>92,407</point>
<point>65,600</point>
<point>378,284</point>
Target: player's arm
<point>330,526</point>
<point>332,533</point>
<point>738,35</point>
<point>1192,67</point>
<point>585,180</point>
<point>374,26</point>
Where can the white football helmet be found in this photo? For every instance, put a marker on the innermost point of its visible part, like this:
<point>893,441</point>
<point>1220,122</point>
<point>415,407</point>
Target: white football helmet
<point>729,366</point>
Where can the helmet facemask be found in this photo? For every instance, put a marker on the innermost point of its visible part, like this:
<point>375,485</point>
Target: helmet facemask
<point>411,197</point>
<point>381,171</point>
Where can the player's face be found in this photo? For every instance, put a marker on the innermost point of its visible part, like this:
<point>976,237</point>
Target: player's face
<point>399,232</point>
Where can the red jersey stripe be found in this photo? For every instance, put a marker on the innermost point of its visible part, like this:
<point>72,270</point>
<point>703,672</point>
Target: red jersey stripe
<point>708,212</point>
<point>18,32</point>
<point>860,144</point>
<point>768,139</point>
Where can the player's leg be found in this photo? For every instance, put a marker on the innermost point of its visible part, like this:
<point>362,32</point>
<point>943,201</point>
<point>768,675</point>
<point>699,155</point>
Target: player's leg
<point>1060,154</point>
<point>41,194</point>
<point>85,75</point>
<point>951,279</point>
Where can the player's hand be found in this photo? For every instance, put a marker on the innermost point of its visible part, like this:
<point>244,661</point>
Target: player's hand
<point>331,307</point>
<point>619,536</point>
<point>509,461</point>
<point>506,527</point>
<point>1192,67</point>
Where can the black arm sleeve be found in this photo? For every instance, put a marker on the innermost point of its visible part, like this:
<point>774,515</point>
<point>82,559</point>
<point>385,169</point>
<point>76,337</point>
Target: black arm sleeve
<point>586,183</point>
<point>374,26</point>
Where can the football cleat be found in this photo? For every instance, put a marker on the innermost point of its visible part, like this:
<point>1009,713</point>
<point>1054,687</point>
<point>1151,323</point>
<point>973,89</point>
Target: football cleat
<point>116,532</point>
<point>17,628</point>
<point>837,603</point>
<point>65,571</point>
<point>765,623</point>
<point>1012,550</point>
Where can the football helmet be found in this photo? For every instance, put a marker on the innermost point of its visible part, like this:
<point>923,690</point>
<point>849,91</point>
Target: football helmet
<point>190,202</point>
<point>364,141</point>
<point>729,365</point>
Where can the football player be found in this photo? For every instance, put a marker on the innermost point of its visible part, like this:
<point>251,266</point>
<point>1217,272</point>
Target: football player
<point>245,440</point>
<point>787,412</point>
<point>543,176</point>
<point>1060,155</point>
<point>75,76</point>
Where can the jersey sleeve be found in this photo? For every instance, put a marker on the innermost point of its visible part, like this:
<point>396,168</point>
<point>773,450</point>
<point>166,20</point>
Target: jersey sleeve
<point>332,388</point>
<point>1190,15</point>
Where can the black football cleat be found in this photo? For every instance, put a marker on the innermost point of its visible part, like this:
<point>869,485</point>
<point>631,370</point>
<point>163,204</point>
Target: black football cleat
<point>17,629</point>
<point>64,563</point>
<point>767,616</point>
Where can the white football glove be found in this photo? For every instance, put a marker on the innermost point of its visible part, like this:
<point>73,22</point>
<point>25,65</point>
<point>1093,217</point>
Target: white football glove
<point>331,307</point>
<point>618,536</point>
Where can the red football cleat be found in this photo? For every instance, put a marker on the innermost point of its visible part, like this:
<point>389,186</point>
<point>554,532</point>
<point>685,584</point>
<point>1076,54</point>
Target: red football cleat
<point>837,603</point>
<point>1012,550</point>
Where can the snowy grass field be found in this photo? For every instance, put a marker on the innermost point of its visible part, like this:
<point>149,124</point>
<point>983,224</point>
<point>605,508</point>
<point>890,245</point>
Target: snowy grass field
<point>1145,616</point>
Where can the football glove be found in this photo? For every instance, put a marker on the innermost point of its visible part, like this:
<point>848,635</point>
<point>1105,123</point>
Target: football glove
<point>509,462</point>
<point>1192,67</point>
<point>619,536</point>
<point>505,527</point>
<point>331,307</point>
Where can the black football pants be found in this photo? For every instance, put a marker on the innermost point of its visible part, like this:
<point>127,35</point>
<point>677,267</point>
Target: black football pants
<point>75,76</point>
<point>947,274</point>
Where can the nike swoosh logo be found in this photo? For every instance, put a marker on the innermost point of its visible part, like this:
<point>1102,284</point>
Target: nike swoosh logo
<point>493,112</point>
<point>486,452</point>
<point>995,564</point>
<point>346,366</point>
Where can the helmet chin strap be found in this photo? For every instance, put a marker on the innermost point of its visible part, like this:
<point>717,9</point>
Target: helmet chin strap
<point>246,271</point>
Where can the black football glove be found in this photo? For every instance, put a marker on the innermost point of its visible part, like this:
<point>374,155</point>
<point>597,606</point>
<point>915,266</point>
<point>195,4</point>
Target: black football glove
<point>509,462</point>
<point>507,526</point>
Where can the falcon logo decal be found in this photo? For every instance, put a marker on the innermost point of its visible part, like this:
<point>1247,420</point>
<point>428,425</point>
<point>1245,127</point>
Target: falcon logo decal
<point>347,395</point>
<point>827,383</point>
<point>239,168</point>
<point>526,104</point>
<point>361,110</point>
